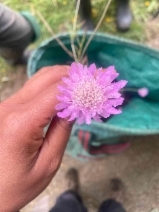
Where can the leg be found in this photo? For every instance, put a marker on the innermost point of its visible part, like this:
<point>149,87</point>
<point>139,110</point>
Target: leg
<point>70,201</point>
<point>111,205</point>
<point>85,14</point>
<point>15,34</point>
<point>124,15</point>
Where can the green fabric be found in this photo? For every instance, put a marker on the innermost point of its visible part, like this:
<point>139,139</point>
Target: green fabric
<point>137,64</point>
<point>33,22</point>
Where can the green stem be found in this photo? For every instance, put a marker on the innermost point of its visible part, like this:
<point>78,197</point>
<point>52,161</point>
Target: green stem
<point>53,34</point>
<point>129,89</point>
<point>74,31</point>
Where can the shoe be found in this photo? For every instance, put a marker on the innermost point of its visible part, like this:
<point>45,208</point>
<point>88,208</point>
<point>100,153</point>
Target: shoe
<point>116,192</point>
<point>86,15</point>
<point>117,189</point>
<point>72,179</point>
<point>116,185</point>
<point>124,15</point>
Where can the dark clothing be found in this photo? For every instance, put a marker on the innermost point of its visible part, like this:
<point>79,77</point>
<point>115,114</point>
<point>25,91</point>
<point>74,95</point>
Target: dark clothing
<point>70,201</point>
<point>15,34</point>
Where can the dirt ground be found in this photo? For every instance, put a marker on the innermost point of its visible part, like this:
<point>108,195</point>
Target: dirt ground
<point>137,167</point>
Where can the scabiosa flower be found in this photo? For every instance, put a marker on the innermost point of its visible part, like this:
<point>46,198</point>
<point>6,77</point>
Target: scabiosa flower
<point>143,92</point>
<point>88,93</point>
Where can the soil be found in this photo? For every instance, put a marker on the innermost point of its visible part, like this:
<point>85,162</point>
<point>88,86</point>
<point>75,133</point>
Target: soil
<point>152,32</point>
<point>13,82</point>
<point>137,167</point>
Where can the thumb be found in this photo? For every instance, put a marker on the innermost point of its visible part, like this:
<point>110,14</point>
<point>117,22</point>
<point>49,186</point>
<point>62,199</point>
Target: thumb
<point>55,143</point>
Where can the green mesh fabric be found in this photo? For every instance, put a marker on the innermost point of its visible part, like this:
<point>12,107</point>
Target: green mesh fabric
<point>137,64</point>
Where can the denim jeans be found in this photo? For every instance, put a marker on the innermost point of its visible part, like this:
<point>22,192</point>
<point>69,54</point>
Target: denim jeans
<point>72,202</point>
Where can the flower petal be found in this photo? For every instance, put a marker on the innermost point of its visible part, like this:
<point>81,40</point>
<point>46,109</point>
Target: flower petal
<point>114,111</point>
<point>61,105</point>
<point>84,71</point>
<point>64,90</point>
<point>73,116</point>
<point>64,114</point>
<point>114,95</point>
<point>61,88</point>
<point>75,77</point>
<point>80,120</point>
<point>115,102</point>
<point>118,85</point>
<point>74,68</point>
<point>88,118</point>
<point>105,114</point>
<point>67,81</point>
<point>110,70</point>
<point>63,98</point>
<point>107,79</point>
<point>97,118</point>
<point>72,107</point>
<point>80,68</point>
<point>92,68</point>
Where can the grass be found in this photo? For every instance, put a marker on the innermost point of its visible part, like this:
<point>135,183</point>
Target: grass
<point>59,14</point>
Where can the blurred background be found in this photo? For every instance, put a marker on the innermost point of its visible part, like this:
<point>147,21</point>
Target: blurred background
<point>59,14</point>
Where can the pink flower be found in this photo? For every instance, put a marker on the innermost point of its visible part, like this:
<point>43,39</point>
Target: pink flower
<point>143,92</point>
<point>89,94</point>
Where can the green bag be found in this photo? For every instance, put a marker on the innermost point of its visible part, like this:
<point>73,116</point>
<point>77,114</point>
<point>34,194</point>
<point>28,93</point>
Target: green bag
<point>137,64</point>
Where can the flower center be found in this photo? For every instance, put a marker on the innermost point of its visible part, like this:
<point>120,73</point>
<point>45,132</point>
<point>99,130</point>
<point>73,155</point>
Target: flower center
<point>88,94</point>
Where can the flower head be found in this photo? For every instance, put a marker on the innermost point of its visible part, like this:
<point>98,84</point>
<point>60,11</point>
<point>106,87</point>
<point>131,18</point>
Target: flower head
<point>89,93</point>
<point>143,92</point>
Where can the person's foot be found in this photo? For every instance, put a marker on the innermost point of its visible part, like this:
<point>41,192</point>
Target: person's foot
<point>117,189</point>
<point>116,184</point>
<point>86,15</point>
<point>72,179</point>
<point>124,15</point>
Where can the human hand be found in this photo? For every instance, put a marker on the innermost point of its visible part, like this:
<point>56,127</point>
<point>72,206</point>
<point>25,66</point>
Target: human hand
<point>28,158</point>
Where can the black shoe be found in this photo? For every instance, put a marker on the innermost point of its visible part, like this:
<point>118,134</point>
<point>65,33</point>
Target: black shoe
<point>124,15</point>
<point>72,179</point>
<point>86,14</point>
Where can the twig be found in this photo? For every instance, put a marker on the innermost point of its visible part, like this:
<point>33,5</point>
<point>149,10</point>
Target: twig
<point>74,30</point>
<point>53,34</point>
<point>81,46</point>
<point>76,15</point>
<point>74,52</point>
<point>98,25</point>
